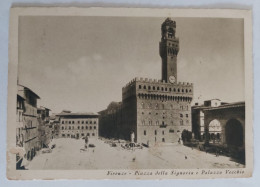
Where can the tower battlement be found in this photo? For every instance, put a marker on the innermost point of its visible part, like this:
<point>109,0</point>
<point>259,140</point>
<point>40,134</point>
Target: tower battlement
<point>154,81</point>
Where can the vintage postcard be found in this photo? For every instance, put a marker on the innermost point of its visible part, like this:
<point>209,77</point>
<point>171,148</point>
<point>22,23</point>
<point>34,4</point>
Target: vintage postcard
<point>129,93</point>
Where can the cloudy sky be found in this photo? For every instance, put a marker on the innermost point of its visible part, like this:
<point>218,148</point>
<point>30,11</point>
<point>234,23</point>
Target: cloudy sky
<point>82,63</point>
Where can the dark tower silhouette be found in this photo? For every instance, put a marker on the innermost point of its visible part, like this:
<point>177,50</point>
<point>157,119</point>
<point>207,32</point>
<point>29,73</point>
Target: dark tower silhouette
<point>169,48</point>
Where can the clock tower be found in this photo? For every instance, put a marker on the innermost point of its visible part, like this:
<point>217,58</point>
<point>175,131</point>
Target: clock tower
<point>169,48</point>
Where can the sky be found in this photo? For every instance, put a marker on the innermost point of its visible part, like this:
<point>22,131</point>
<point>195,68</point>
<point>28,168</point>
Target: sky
<point>82,63</point>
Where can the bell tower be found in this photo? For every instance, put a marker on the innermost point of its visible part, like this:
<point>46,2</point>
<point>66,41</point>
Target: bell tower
<point>169,48</point>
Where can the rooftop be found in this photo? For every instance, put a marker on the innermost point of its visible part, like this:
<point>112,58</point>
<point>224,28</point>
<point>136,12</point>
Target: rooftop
<point>28,89</point>
<point>222,106</point>
<point>77,114</point>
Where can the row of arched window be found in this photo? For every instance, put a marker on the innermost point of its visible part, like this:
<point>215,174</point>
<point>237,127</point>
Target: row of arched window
<point>72,136</point>
<point>172,51</point>
<point>150,123</point>
<point>179,90</point>
<point>79,122</point>
<point>162,106</point>
<point>164,97</point>
<point>155,132</point>
<point>72,127</point>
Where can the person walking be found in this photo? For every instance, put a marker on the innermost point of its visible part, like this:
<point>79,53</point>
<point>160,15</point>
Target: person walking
<point>86,142</point>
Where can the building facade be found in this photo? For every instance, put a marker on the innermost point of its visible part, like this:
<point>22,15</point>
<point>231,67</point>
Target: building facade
<point>27,122</point>
<point>110,120</point>
<point>154,111</point>
<point>220,123</point>
<point>78,125</point>
<point>198,127</point>
<point>44,120</point>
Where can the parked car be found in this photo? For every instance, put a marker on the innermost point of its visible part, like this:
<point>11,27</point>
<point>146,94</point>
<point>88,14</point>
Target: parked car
<point>46,150</point>
<point>91,145</point>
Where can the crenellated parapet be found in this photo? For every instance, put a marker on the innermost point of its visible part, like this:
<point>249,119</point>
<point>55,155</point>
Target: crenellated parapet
<point>140,85</point>
<point>147,80</point>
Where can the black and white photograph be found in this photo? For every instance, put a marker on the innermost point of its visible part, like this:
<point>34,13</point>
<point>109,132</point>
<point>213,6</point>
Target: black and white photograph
<point>130,95</point>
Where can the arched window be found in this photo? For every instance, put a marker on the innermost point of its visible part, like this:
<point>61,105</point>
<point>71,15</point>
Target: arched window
<point>94,122</point>
<point>90,127</point>
<point>82,127</point>
<point>158,88</point>
<point>69,127</point>
<point>62,128</point>
<point>165,89</point>
<point>86,127</point>
<point>90,122</point>
<point>82,122</point>
<point>140,87</point>
<point>153,87</point>
<point>155,132</point>
<point>178,89</point>
<point>163,132</point>
<point>181,115</point>
<point>144,132</point>
<point>144,87</point>
<point>78,127</point>
<point>162,88</point>
<point>149,87</point>
<point>93,134</point>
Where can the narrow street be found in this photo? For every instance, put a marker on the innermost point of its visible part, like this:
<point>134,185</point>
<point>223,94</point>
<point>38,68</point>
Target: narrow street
<point>68,155</point>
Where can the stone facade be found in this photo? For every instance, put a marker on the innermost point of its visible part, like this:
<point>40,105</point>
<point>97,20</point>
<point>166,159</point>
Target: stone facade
<point>110,120</point>
<point>198,128</point>
<point>220,123</point>
<point>78,125</point>
<point>154,111</point>
<point>231,118</point>
<point>27,122</point>
<point>44,120</point>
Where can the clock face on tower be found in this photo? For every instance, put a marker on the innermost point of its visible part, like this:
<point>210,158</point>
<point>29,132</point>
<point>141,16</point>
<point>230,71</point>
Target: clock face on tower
<point>172,79</point>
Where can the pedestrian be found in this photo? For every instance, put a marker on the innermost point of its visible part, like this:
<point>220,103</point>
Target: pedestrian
<point>86,142</point>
